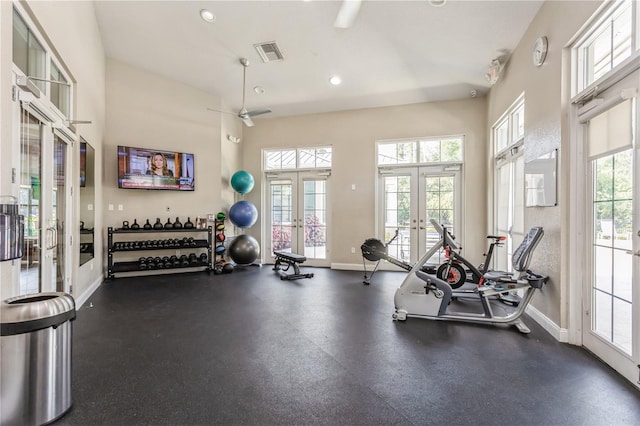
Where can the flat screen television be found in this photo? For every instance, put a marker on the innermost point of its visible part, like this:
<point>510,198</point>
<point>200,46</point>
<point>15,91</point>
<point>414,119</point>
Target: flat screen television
<point>83,163</point>
<point>144,168</point>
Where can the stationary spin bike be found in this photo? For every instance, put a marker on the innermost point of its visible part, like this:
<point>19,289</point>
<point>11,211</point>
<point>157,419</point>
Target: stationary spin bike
<point>453,269</point>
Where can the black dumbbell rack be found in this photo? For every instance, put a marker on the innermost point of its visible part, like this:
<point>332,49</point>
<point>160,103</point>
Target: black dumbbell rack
<point>170,250</point>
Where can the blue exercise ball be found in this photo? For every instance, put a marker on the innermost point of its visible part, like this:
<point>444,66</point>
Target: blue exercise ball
<point>242,181</point>
<point>243,214</point>
<point>244,249</point>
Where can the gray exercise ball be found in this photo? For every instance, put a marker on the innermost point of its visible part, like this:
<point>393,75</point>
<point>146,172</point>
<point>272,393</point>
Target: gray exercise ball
<point>244,249</point>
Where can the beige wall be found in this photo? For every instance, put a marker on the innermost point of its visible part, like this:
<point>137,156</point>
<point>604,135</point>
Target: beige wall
<point>353,134</point>
<point>149,111</point>
<point>546,128</point>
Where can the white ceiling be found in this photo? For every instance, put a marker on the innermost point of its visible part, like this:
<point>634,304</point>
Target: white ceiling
<point>396,52</point>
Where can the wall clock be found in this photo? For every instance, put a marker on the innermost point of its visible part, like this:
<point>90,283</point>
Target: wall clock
<point>540,51</point>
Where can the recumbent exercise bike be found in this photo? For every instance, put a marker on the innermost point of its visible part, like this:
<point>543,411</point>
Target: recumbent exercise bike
<point>425,295</point>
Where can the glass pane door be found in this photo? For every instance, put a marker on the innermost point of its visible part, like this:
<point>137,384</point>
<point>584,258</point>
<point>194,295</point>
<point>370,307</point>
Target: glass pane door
<point>298,213</point>
<point>439,201</point>
<point>612,288</point>
<point>283,229</point>
<point>44,196</point>
<point>412,196</point>
<point>30,196</point>
<point>398,216</point>
<point>611,315</point>
<point>315,218</point>
<point>59,213</point>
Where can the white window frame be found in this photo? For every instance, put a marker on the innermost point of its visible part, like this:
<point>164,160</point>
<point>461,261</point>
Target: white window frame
<point>298,151</point>
<point>50,58</point>
<point>512,150</point>
<point>416,149</point>
<point>580,90</point>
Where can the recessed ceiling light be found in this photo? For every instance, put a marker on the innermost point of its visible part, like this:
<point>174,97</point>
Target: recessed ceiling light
<point>259,90</point>
<point>207,15</point>
<point>437,3</point>
<point>335,80</point>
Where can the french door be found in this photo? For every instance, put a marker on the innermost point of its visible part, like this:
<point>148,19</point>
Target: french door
<point>611,314</point>
<point>298,215</point>
<point>410,197</point>
<point>44,199</point>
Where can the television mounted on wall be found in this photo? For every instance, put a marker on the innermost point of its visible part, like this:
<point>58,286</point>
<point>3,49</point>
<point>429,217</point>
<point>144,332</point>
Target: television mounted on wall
<point>145,168</point>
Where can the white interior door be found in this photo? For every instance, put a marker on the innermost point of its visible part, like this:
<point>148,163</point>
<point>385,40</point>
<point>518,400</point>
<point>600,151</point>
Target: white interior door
<point>298,215</point>
<point>411,196</point>
<point>611,315</point>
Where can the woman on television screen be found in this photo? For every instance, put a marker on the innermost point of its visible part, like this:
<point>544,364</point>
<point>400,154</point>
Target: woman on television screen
<point>159,166</point>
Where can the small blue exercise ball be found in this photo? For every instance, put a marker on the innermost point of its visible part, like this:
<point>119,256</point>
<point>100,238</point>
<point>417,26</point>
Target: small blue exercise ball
<point>244,249</point>
<point>243,214</point>
<point>242,182</point>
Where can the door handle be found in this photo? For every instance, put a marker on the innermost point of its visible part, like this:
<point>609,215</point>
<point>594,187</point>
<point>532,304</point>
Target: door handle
<point>422,227</point>
<point>635,253</point>
<point>51,235</point>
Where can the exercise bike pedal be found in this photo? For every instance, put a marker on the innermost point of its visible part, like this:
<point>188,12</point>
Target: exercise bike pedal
<point>510,299</point>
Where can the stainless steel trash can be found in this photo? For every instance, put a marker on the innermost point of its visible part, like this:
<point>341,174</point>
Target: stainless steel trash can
<point>35,357</point>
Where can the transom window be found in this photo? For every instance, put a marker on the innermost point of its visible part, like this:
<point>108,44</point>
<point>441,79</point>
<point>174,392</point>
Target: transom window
<point>421,151</point>
<point>298,158</point>
<point>612,40</point>
<point>36,61</point>
<point>509,129</point>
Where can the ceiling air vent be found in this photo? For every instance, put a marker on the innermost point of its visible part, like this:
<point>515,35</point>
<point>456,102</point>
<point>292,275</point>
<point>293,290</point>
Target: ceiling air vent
<point>269,51</point>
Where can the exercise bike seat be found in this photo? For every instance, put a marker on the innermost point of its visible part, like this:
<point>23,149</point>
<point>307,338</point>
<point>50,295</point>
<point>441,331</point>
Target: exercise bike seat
<point>520,259</point>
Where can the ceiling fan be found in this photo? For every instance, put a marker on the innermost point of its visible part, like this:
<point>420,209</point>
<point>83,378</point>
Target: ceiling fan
<point>243,114</point>
<point>347,13</point>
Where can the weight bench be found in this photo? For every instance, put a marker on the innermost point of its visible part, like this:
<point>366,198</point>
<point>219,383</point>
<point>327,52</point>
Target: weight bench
<point>289,259</point>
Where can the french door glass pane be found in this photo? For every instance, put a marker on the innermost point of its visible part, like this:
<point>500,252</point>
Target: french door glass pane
<point>59,212</point>
<point>439,196</point>
<point>440,202</point>
<point>612,251</point>
<point>281,224</point>
<point>315,219</point>
<point>397,215</point>
<point>30,196</point>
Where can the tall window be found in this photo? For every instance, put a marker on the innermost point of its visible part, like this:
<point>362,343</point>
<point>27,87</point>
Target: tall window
<point>508,137</point>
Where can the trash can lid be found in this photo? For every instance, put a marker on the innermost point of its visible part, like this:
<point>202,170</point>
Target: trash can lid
<point>32,312</point>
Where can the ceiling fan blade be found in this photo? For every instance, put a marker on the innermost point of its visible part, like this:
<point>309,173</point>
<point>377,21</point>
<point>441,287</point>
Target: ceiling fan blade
<point>347,13</point>
<point>258,112</point>
<point>246,119</point>
<point>219,110</point>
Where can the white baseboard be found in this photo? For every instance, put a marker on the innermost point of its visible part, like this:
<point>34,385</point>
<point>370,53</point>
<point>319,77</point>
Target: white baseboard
<point>560,334</point>
<point>89,291</point>
<point>347,266</point>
